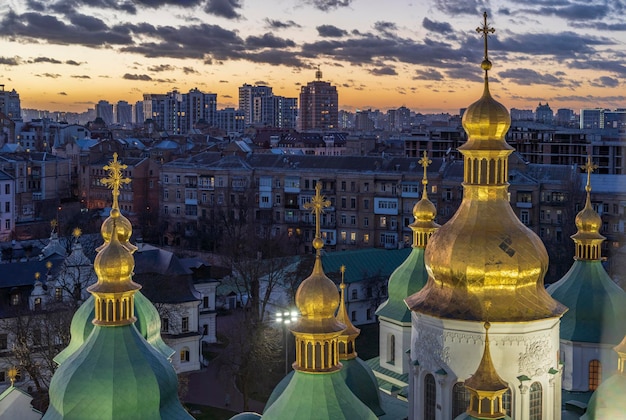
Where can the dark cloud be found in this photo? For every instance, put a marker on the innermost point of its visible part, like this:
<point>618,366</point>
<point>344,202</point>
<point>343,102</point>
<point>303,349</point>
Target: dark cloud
<point>68,7</point>
<point>223,8</point>
<point>72,63</point>
<point>277,24</point>
<point>600,26</point>
<point>562,44</point>
<point>576,11</point>
<point>261,83</point>
<point>9,61</point>
<point>605,81</point>
<point>600,65</point>
<point>330,31</point>
<point>161,67</point>
<point>327,5</point>
<point>88,22</point>
<point>62,93</point>
<point>428,74</point>
<point>462,7</point>
<point>223,81</point>
<point>46,60</point>
<point>529,77</point>
<point>51,29</point>
<point>80,76</point>
<point>190,70</point>
<point>274,57</point>
<point>438,27</point>
<point>49,75</point>
<point>384,71</point>
<point>268,41</point>
<point>142,77</point>
<point>385,27</point>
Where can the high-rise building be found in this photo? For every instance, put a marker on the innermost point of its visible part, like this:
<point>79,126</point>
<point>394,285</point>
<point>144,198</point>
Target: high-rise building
<point>564,116</point>
<point>285,112</point>
<point>591,118</point>
<point>104,110</point>
<point>254,101</point>
<point>178,113</point>
<point>123,113</point>
<point>200,106</point>
<point>230,120</point>
<point>319,105</point>
<point>138,114</point>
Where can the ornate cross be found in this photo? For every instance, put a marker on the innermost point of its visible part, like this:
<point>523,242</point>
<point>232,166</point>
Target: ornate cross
<point>317,206</point>
<point>425,162</point>
<point>485,30</point>
<point>589,167</point>
<point>115,180</point>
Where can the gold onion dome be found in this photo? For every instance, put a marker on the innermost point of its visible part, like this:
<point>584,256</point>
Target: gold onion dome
<point>588,221</point>
<point>484,258</point>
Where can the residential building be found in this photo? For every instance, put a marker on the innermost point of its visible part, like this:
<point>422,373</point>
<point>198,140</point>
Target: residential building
<point>123,113</point>
<point>591,118</point>
<point>230,120</point>
<point>255,102</point>
<point>7,206</point>
<point>104,110</point>
<point>10,105</point>
<point>319,108</point>
<point>544,114</point>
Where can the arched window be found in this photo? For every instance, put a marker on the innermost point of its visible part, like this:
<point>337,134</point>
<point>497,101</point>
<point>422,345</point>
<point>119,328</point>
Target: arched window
<point>391,349</point>
<point>184,354</point>
<point>460,399</point>
<point>595,374</point>
<point>430,397</point>
<point>536,401</point>
<point>507,402</point>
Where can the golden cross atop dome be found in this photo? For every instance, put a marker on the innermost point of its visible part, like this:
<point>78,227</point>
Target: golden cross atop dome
<point>115,180</point>
<point>425,162</point>
<point>485,30</point>
<point>53,224</point>
<point>589,167</point>
<point>317,206</point>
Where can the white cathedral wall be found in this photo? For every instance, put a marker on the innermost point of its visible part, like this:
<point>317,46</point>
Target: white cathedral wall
<point>576,356</point>
<point>451,351</point>
<point>402,335</point>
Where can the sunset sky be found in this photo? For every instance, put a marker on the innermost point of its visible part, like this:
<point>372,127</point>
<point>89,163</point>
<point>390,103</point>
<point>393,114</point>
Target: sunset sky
<point>423,54</point>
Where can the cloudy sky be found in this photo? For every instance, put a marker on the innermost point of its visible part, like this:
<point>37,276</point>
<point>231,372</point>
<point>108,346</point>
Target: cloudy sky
<point>424,54</point>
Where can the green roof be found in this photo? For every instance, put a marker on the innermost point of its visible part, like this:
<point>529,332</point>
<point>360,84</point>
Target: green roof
<point>318,396</point>
<point>597,306</point>
<point>608,402</point>
<point>362,382</point>
<point>115,374</point>
<point>148,323</point>
<point>374,364</point>
<point>363,264</point>
<point>407,279</point>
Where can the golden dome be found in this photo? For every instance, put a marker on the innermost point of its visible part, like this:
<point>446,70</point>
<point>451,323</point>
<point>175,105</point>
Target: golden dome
<point>114,266</point>
<point>484,264</point>
<point>588,220</point>
<point>486,118</point>
<point>424,210</point>
<point>123,227</point>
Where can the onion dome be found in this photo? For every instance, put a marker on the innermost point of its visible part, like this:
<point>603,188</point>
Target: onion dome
<point>607,401</point>
<point>597,305</point>
<point>410,276</point>
<point>484,258</point>
<point>316,389</point>
<point>486,387</point>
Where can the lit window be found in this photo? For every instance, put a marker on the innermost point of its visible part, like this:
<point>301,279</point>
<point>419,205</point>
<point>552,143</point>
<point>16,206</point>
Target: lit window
<point>185,324</point>
<point>184,355</point>
<point>595,374</point>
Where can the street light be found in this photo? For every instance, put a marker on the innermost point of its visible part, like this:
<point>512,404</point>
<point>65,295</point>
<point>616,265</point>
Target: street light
<point>285,318</point>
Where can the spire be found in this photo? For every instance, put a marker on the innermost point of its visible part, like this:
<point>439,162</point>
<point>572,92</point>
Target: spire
<point>347,348</point>
<point>588,238</point>
<point>318,74</point>
<point>424,211</point>
<point>317,330</point>
<point>114,263</point>
<point>486,387</point>
<point>485,30</point>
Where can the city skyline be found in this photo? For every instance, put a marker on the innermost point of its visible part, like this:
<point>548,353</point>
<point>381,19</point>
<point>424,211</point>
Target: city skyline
<point>66,56</point>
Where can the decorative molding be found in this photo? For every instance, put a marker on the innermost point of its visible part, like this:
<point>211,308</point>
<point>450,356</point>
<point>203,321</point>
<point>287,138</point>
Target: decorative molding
<point>537,357</point>
<point>430,351</point>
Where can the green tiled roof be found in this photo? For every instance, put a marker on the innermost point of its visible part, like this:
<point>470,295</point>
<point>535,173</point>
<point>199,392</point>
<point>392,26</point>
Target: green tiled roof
<point>318,396</point>
<point>407,279</point>
<point>608,402</point>
<point>363,264</point>
<point>362,382</point>
<point>597,306</point>
<point>148,323</point>
<point>374,364</point>
<point>115,374</point>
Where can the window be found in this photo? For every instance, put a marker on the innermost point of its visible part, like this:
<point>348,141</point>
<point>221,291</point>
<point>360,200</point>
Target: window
<point>7,207</point>
<point>460,399</point>
<point>178,179</point>
<point>205,329</point>
<point>524,217</point>
<point>536,401</point>
<point>165,210</point>
<point>353,202</point>
<point>366,221</point>
<point>4,344</point>
<point>178,194</point>
<point>368,314</point>
<point>343,202</point>
<point>343,185</point>
<point>165,325</point>
<point>366,186</point>
<point>430,397</point>
<point>184,354</point>
<point>166,194</point>
<point>185,324</point>
<point>507,402</point>
<point>58,294</point>
<point>353,316</point>
<point>353,237</point>
<point>595,374</point>
<point>366,204</point>
<point>7,188</point>
<point>15,298</point>
<point>382,222</point>
<point>355,294</point>
<point>369,292</point>
<point>353,220</point>
<point>37,303</point>
<point>205,301</point>
<point>366,238</point>
<point>391,349</point>
<point>7,224</point>
<point>343,219</point>
<point>166,178</point>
